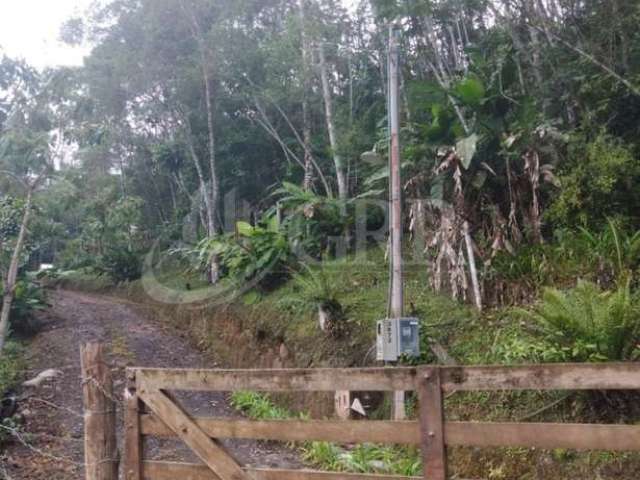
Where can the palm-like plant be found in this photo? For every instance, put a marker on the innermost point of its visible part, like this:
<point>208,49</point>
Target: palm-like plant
<point>316,288</point>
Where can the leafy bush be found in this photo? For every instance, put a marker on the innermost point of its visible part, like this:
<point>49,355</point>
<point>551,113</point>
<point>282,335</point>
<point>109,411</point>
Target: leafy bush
<point>121,265</point>
<point>310,219</point>
<point>11,363</point>
<point>598,181</point>
<point>75,256</point>
<point>587,324</point>
<point>604,255</point>
<point>532,262</point>
<point>252,252</point>
<point>29,298</point>
<point>614,247</point>
<point>11,366</point>
<point>10,213</point>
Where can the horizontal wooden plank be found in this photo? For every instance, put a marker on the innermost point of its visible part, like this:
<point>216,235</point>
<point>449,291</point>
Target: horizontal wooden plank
<point>600,376</point>
<point>171,471</point>
<point>583,376</point>
<point>328,380</point>
<point>544,435</point>
<point>342,431</point>
<point>479,434</point>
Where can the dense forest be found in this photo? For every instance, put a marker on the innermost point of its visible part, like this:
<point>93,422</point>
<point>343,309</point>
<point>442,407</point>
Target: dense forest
<point>223,150</point>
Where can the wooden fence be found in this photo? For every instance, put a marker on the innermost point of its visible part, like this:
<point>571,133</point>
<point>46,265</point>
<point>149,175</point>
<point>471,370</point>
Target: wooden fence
<point>152,411</point>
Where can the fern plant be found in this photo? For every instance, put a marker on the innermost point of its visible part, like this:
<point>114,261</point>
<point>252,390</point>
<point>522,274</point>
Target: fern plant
<point>587,324</point>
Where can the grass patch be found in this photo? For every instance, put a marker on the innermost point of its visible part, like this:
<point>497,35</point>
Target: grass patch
<point>258,407</point>
<point>363,458</point>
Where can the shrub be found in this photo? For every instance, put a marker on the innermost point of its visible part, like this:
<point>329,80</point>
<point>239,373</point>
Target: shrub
<point>254,252</point>
<point>587,324</point>
<point>598,181</point>
<point>310,219</point>
<point>11,363</point>
<point>29,298</point>
<point>120,264</point>
<point>614,247</point>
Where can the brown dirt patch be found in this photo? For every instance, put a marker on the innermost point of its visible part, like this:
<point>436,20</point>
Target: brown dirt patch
<point>51,444</point>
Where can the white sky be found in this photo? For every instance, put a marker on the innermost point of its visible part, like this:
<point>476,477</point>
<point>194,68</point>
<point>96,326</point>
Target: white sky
<point>29,29</point>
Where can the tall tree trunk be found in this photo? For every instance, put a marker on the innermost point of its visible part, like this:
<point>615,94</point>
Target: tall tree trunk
<point>215,186</point>
<point>213,193</point>
<point>341,175</point>
<point>12,274</point>
<point>203,185</point>
<point>306,89</point>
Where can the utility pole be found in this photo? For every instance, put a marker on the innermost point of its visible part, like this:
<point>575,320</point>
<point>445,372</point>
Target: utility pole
<point>395,204</point>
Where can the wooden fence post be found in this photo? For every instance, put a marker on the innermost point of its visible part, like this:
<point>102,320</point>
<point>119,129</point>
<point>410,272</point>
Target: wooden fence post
<point>100,447</point>
<point>434,453</point>
<point>398,406</point>
<point>132,438</point>
<point>132,435</point>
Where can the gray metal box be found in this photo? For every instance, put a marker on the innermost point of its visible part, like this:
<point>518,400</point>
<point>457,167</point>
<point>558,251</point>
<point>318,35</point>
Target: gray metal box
<point>396,337</point>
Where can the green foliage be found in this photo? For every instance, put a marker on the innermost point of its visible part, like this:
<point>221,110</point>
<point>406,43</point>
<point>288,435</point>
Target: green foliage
<point>253,252</point>
<point>110,240</point>
<point>10,215</point>
<point>258,406</point>
<point>604,255</point>
<point>315,286</point>
<point>119,264</point>
<point>470,90</point>
<point>11,366</point>
<point>366,458</point>
<point>534,263</point>
<point>265,251</point>
<point>29,298</point>
<point>598,180</point>
<point>614,246</point>
<point>587,324</point>
<point>309,219</point>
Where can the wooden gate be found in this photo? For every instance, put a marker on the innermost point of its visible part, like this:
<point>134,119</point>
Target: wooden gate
<point>152,411</point>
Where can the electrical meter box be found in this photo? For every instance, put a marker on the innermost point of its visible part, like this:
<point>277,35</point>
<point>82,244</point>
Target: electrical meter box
<point>397,337</point>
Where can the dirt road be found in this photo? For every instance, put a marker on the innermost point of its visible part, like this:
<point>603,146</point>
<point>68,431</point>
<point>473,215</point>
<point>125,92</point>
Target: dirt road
<point>51,443</point>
